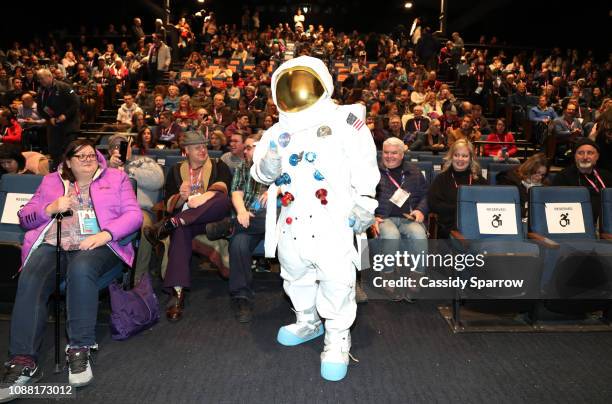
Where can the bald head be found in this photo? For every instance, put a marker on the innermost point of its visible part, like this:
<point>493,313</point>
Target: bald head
<point>27,100</point>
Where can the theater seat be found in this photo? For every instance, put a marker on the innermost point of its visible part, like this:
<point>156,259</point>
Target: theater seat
<point>605,218</point>
<point>577,275</point>
<point>489,223</point>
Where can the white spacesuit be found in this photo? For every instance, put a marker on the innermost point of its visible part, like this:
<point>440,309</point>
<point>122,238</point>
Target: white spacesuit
<point>323,158</point>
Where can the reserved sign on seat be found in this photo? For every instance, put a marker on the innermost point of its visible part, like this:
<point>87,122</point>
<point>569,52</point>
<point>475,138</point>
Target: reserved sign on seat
<point>496,218</point>
<point>564,218</point>
<point>14,202</point>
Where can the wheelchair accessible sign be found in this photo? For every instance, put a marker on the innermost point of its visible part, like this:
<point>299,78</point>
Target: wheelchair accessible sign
<point>496,218</point>
<point>564,218</point>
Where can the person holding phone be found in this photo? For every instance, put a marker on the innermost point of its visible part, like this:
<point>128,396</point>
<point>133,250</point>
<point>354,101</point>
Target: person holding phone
<point>149,178</point>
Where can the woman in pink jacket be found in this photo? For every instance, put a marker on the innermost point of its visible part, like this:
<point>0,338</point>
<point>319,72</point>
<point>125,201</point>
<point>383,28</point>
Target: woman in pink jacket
<point>104,210</point>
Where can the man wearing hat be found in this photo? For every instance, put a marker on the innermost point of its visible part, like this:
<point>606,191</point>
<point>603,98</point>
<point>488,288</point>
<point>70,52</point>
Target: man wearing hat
<point>585,173</point>
<point>196,193</point>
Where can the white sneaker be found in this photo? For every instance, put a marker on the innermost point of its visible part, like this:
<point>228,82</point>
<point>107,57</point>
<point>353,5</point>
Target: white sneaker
<point>79,366</point>
<point>307,327</point>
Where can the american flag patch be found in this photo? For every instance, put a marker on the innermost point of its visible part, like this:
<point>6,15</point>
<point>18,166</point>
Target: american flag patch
<point>354,121</point>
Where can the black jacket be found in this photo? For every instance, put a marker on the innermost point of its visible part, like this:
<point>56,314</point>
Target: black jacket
<point>60,99</point>
<point>570,176</point>
<point>512,177</point>
<point>442,198</point>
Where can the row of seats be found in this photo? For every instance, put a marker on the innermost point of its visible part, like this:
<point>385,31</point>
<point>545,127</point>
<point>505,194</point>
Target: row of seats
<point>551,255</point>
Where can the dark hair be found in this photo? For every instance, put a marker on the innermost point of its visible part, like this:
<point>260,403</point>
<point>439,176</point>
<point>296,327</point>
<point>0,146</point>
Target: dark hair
<point>134,127</point>
<point>10,151</point>
<point>140,140</point>
<point>73,148</point>
<point>242,133</point>
<point>169,115</point>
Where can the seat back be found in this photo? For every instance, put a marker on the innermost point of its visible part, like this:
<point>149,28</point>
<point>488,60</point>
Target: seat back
<point>606,210</point>
<point>172,160</point>
<point>496,168</point>
<point>485,212</point>
<point>426,168</point>
<point>436,160</point>
<point>160,155</point>
<point>485,162</point>
<point>215,153</point>
<point>561,213</point>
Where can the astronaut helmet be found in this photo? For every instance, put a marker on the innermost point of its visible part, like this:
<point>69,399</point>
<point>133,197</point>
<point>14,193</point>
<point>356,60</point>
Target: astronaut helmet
<point>301,83</point>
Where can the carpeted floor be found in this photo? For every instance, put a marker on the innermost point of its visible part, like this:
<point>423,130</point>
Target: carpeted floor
<point>406,354</point>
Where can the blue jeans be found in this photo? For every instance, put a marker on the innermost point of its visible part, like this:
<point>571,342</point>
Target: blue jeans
<point>241,247</point>
<point>81,270</point>
<point>394,229</point>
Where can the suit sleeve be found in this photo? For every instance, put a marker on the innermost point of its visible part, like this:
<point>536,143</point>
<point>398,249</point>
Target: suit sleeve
<point>361,152</point>
<point>260,152</point>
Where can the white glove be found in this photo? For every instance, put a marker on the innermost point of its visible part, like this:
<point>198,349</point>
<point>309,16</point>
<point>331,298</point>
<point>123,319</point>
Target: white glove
<point>270,165</point>
<point>360,219</point>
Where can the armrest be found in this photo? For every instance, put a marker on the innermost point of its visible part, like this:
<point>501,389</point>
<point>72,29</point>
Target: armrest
<point>605,236</point>
<point>542,241</point>
<point>457,235</point>
<point>128,239</point>
<point>432,225</point>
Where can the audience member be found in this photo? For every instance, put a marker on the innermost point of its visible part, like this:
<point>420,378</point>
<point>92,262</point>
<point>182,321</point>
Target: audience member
<point>235,156</point>
<point>460,168</point>
<point>249,199</point>
<point>532,173</point>
<point>91,243</point>
<point>585,173</point>
<point>196,193</point>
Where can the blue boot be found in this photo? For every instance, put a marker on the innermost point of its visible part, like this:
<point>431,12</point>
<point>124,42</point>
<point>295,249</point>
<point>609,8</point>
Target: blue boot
<point>307,327</point>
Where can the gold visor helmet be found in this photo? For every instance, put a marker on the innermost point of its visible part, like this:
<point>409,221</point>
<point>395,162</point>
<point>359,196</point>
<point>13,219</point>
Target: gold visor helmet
<point>298,88</point>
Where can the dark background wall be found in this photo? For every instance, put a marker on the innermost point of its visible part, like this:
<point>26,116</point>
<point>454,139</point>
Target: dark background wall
<point>583,24</point>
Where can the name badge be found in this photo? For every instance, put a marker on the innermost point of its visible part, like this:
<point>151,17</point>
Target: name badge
<point>88,222</point>
<point>399,197</point>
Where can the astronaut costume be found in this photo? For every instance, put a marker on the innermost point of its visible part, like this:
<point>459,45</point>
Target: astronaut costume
<point>323,158</point>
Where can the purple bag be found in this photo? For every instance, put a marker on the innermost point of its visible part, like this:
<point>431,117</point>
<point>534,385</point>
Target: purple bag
<point>133,310</point>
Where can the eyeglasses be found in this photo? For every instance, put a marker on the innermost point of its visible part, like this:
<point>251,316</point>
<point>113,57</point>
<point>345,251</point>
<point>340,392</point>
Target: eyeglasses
<point>84,157</point>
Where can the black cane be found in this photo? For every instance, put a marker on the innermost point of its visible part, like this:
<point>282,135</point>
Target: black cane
<point>58,252</point>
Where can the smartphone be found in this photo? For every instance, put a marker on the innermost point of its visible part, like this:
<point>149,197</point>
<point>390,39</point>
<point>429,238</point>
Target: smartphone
<point>123,149</point>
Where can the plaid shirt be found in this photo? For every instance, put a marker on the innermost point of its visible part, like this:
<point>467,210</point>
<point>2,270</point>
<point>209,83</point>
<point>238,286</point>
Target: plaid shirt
<point>243,181</point>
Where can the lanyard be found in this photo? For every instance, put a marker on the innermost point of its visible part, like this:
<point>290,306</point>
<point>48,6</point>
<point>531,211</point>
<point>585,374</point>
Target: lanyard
<point>166,131</point>
<point>393,180</point>
<point>455,181</point>
<point>218,117</point>
<point>417,125</point>
<point>598,179</point>
<point>77,192</point>
<point>192,179</point>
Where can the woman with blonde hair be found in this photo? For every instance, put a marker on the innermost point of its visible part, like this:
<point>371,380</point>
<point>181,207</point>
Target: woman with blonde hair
<point>218,141</point>
<point>460,168</point>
